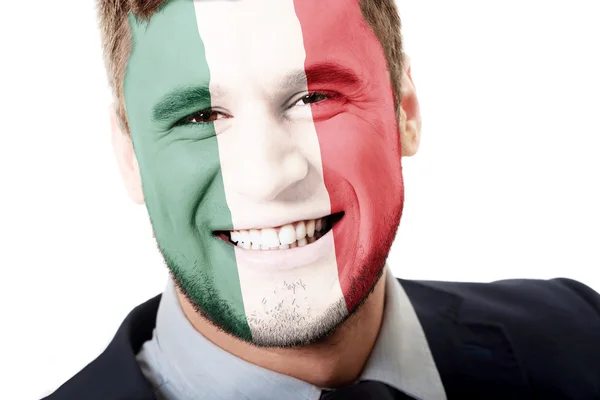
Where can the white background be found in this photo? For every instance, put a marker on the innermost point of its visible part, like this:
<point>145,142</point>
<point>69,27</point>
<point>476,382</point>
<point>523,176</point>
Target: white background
<point>506,183</point>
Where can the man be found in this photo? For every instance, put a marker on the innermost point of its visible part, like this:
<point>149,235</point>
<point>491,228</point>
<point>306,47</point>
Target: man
<point>265,138</point>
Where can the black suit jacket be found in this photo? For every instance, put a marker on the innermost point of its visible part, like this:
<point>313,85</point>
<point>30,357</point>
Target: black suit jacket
<point>510,340</point>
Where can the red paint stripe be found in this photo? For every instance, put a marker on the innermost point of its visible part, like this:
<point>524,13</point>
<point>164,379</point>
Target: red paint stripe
<point>358,136</point>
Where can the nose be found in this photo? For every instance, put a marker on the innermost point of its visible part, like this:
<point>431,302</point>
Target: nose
<point>270,164</point>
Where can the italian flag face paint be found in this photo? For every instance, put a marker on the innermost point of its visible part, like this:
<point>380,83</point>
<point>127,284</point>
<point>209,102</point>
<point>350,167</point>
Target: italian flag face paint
<point>292,118</point>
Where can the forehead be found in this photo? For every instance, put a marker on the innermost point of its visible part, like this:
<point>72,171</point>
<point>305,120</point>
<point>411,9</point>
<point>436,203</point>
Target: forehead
<point>248,37</point>
<point>269,36</point>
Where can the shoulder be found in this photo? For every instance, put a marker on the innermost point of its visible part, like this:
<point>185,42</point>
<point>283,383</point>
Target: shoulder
<point>561,309</point>
<point>551,327</point>
<point>561,298</point>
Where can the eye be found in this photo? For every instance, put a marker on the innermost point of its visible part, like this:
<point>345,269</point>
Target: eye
<point>203,117</point>
<point>311,98</point>
<point>322,106</point>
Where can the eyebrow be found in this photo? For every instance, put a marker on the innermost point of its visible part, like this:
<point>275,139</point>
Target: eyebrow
<point>171,105</point>
<point>182,98</point>
<point>330,73</point>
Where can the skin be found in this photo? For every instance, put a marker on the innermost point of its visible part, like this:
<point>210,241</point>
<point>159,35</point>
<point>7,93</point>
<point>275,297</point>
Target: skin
<point>335,359</point>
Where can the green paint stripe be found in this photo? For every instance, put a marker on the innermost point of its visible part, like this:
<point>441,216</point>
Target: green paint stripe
<point>180,166</point>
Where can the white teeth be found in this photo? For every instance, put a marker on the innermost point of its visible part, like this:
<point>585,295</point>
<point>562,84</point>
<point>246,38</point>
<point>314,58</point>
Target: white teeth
<point>310,227</point>
<point>255,236</point>
<point>286,237</point>
<point>269,237</point>
<point>300,230</point>
<point>287,234</point>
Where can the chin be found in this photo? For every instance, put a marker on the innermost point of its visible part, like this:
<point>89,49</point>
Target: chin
<point>287,328</point>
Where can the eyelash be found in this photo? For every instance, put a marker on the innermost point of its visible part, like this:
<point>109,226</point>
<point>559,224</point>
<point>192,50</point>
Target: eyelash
<point>327,95</point>
<point>186,120</point>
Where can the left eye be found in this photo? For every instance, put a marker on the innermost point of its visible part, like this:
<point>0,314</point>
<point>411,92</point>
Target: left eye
<point>311,98</point>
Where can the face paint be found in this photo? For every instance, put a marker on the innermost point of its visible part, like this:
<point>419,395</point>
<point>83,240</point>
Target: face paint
<point>292,120</point>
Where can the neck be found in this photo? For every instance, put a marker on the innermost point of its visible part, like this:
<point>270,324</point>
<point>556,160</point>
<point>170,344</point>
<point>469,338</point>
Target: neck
<point>335,362</point>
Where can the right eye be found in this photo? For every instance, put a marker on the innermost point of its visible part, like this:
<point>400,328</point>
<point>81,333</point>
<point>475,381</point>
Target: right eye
<point>203,117</point>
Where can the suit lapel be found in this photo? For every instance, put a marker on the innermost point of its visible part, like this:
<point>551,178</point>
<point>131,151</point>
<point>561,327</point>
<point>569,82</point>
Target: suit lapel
<point>475,358</point>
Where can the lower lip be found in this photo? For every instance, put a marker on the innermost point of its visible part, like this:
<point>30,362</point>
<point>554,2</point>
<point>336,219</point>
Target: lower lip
<point>283,260</point>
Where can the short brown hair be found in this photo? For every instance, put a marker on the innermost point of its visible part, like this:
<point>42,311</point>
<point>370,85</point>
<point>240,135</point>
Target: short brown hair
<point>381,15</point>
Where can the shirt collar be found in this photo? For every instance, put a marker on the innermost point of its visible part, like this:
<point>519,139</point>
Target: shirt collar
<point>200,369</point>
<point>401,356</point>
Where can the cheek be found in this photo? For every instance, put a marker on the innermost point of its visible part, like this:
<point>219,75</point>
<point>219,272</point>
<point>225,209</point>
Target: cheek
<point>364,150</point>
<point>361,160</point>
<point>176,178</point>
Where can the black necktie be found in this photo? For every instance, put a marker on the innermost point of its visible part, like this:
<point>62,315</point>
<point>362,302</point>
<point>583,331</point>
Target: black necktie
<point>365,390</point>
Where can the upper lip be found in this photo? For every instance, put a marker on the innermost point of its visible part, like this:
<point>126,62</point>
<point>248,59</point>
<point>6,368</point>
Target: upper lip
<point>275,224</point>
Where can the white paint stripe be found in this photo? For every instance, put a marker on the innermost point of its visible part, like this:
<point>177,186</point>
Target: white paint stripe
<point>271,166</point>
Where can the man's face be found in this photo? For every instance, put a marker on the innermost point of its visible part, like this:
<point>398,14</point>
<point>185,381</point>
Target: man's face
<point>271,124</point>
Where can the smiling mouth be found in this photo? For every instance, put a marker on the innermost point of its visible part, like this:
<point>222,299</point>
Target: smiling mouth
<point>289,236</point>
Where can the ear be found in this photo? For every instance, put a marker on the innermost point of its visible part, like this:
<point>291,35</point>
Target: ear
<point>410,114</point>
<point>126,159</point>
